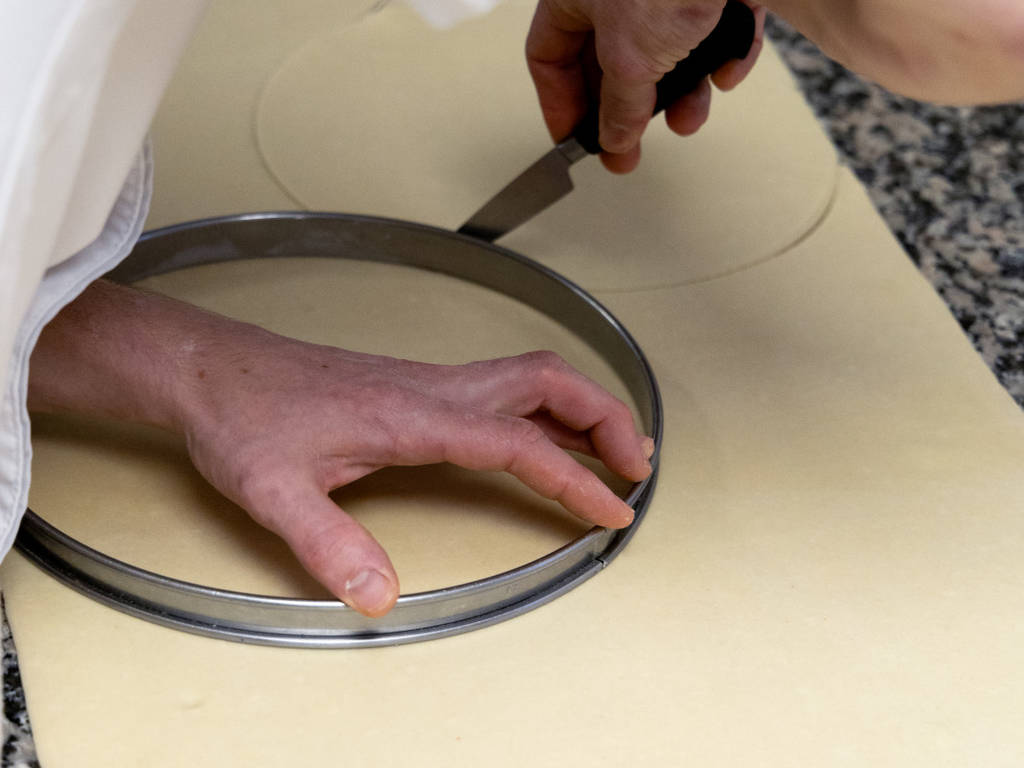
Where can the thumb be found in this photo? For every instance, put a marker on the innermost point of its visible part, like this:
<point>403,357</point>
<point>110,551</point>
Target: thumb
<point>335,549</point>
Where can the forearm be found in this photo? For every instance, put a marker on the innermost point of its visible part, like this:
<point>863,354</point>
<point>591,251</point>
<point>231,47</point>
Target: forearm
<point>946,51</point>
<point>120,353</point>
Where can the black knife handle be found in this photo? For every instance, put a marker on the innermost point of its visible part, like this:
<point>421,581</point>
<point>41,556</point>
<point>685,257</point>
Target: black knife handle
<point>731,39</point>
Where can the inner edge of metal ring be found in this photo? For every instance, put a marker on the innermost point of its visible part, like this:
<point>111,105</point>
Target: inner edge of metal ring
<point>283,621</point>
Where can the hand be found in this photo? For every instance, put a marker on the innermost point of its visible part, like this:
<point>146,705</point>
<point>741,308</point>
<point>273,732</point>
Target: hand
<point>276,424</point>
<point>626,45</point>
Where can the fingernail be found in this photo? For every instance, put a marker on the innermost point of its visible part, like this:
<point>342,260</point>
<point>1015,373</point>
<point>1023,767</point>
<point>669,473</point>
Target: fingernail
<point>369,592</point>
<point>647,446</point>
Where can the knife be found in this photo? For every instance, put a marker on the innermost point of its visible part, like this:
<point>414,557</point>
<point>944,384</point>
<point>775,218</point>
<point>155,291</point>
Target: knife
<point>548,179</point>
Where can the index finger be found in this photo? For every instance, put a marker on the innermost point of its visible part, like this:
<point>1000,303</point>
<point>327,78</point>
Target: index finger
<point>489,442</point>
<point>554,48</point>
<point>543,381</point>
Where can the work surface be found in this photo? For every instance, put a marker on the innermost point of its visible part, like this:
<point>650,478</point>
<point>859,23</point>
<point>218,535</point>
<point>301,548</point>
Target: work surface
<point>829,574</point>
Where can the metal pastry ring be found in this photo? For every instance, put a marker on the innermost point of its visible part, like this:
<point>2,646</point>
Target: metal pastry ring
<point>422,616</point>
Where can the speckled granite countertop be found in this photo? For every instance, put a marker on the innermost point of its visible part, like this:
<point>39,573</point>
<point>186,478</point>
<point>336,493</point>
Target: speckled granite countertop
<point>948,181</point>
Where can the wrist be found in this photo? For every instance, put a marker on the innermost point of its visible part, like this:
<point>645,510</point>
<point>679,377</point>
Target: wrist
<point>120,353</point>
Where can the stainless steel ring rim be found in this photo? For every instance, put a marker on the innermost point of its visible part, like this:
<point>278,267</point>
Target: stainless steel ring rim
<point>438,613</point>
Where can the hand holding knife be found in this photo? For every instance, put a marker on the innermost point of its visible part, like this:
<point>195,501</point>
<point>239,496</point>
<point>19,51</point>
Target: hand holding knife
<point>548,179</point>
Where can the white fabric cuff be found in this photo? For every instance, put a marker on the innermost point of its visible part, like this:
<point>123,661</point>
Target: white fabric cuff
<point>61,285</point>
<point>444,14</point>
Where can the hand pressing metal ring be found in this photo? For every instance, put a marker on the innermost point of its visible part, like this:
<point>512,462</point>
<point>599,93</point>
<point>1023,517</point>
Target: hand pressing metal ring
<point>426,615</point>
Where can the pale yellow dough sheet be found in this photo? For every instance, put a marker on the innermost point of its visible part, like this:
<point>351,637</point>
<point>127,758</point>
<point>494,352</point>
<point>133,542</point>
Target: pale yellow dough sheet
<point>830,573</point>
<point>468,97</point>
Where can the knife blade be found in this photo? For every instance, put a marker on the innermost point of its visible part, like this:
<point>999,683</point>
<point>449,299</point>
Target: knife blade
<point>548,179</point>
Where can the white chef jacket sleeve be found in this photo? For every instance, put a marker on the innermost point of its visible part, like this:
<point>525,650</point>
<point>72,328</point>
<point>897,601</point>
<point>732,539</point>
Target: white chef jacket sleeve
<point>79,84</point>
<point>444,14</point>
<point>60,285</point>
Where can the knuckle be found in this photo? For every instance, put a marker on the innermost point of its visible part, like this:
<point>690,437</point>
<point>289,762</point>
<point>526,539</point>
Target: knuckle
<point>632,65</point>
<point>695,19</point>
<point>624,117</point>
<point>328,549</point>
<point>252,482</point>
<point>560,491</point>
<point>619,412</point>
<point>524,439</point>
<point>527,435</point>
<point>543,357</point>
<point>543,368</point>
<point>546,365</point>
<point>620,132</point>
<point>261,491</point>
<point>661,37</point>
